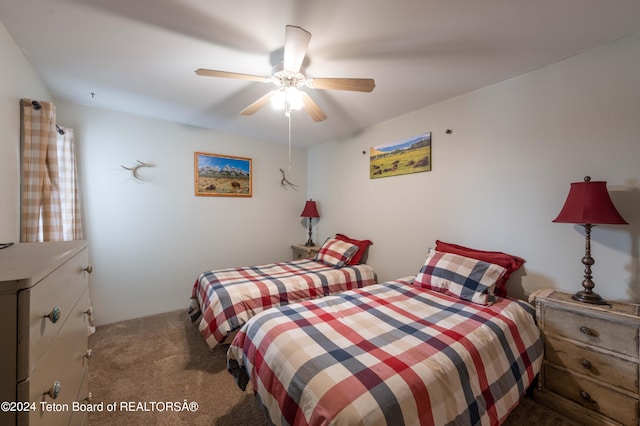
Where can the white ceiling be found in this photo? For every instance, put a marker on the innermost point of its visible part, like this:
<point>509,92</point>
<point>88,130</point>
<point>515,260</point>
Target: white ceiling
<point>139,56</point>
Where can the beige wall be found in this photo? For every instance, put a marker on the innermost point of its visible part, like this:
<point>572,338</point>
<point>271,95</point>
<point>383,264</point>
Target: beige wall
<point>502,175</point>
<point>149,240</point>
<point>497,182</point>
<point>17,80</point>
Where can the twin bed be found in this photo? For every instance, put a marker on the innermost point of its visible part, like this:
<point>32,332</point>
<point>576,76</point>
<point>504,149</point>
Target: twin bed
<point>440,347</point>
<point>225,299</point>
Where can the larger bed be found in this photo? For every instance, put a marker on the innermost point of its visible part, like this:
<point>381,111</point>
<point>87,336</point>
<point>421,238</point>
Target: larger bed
<point>225,299</point>
<point>393,353</point>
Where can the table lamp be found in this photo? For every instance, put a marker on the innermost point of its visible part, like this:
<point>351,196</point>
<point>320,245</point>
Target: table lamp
<point>589,204</point>
<point>310,211</point>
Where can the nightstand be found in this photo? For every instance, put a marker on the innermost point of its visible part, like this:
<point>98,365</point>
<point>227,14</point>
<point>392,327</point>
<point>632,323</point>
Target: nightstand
<point>300,251</point>
<point>591,361</point>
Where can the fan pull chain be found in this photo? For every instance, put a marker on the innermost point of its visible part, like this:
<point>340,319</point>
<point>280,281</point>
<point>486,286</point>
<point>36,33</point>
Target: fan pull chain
<point>289,142</point>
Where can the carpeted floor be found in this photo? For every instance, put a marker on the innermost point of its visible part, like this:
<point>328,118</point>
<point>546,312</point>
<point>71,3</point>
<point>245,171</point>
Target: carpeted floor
<point>140,366</point>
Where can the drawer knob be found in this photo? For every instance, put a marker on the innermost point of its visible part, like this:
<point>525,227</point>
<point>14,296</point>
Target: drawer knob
<point>88,269</point>
<point>89,354</point>
<point>54,315</point>
<point>585,363</point>
<point>586,330</point>
<point>585,395</point>
<point>55,390</point>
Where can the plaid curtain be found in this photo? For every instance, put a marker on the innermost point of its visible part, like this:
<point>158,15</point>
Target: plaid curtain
<point>50,203</point>
<point>69,192</point>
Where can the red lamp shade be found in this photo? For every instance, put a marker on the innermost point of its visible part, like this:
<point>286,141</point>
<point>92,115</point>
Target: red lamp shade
<point>589,203</point>
<point>310,209</point>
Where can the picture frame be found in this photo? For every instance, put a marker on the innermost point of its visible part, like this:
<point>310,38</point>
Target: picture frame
<point>219,175</point>
<point>400,158</point>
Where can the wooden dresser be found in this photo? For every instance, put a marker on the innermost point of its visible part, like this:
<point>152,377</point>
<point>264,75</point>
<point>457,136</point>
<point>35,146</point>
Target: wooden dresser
<point>44,303</point>
<point>300,251</point>
<point>591,359</point>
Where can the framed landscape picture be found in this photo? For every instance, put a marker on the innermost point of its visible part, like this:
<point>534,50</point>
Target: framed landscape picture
<point>401,158</point>
<point>222,175</point>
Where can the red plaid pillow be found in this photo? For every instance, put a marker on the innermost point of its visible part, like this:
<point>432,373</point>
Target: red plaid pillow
<point>508,261</point>
<point>362,248</point>
<point>335,252</point>
<point>468,279</point>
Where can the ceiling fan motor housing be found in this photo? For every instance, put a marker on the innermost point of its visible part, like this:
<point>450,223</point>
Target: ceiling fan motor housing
<point>285,78</point>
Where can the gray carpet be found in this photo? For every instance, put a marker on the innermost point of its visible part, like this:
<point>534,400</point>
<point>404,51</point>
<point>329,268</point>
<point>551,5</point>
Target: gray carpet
<point>162,359</point>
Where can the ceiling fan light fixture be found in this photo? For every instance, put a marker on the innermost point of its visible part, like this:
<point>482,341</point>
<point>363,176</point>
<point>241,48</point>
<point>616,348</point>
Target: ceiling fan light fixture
<point>278,99</point>
<point>287,98</point>
<point>294,98</point>
<point>288,75</point>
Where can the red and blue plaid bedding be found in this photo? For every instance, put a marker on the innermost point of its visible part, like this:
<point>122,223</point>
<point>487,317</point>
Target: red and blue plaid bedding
<point>227,298</point>
<point>390,354</point>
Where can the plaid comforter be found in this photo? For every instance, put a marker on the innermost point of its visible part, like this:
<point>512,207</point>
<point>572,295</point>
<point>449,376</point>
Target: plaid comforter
<point>389,354</point>
<point>227,298</point>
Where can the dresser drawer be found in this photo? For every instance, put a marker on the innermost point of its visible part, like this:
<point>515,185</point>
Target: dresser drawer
<point>61,290</point>
<point>591,395</point>
<point>597,365</point>
<point>615,336</point>
<point>79,418</point>
<point>64,361</point>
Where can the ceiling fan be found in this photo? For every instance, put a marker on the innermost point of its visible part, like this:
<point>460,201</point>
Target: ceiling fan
<point>288,77</point>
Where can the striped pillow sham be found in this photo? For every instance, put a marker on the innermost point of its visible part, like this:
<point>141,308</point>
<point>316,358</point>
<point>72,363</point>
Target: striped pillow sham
<point>335,252</point>
<point>462,277</point>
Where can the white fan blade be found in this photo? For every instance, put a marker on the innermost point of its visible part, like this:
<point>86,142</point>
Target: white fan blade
<point>312,108</point>
<point>258,104</point>
<point>226,74</point>
<point>296,41</point>
<point>351,84</point>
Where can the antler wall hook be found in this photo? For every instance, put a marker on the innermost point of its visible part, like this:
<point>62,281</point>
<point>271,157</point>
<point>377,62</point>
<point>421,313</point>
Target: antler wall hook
<point>134,169</point>
<point>286,183</point>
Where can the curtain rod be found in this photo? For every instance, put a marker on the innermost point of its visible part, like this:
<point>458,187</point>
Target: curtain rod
<point>36,105</point>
